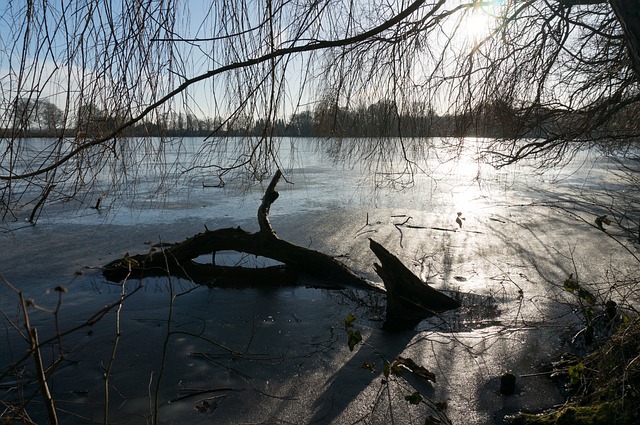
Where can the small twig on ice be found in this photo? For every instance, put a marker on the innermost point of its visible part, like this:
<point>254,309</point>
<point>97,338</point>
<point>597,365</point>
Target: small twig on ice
<point>197,392</point>
<point>398,225</point>
<point>360,231</point>
<point>97,206</point>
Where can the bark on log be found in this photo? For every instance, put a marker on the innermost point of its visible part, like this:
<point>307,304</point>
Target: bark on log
<point>178,261</point>
<point>409,299</point>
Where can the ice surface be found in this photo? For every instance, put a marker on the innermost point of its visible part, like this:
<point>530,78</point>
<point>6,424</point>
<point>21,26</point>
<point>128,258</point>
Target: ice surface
<point>280,356</point>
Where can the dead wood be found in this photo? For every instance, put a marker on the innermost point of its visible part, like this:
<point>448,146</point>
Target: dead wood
<point>408,298</point>
<point>181,255</point>
<point>264,243</point>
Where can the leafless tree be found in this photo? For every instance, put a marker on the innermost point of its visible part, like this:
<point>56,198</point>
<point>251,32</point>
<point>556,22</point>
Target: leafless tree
<point>560,75</point>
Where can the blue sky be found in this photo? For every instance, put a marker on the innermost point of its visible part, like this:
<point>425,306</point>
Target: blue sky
<point>78,36</point>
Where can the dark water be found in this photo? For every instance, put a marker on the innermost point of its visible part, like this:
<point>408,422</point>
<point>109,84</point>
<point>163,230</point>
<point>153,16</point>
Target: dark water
<point>190,354</point>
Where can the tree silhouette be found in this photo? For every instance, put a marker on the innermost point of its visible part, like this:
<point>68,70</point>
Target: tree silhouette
<point>561,75</point>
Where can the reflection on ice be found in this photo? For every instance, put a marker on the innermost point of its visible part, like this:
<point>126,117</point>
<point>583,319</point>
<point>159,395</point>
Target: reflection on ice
<point>238,259</point>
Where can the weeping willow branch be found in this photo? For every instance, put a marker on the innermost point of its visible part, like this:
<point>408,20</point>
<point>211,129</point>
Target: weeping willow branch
<point>557,71</point>
<point>38,206</point>
<point>319,45</point>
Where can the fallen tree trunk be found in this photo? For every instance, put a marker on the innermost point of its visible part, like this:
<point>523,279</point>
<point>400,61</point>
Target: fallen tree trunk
<point>407,296</point>
<point>178,260</point>
<point>409,299</point>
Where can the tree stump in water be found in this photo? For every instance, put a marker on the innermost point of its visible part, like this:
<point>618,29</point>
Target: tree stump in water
<point>409,299</point>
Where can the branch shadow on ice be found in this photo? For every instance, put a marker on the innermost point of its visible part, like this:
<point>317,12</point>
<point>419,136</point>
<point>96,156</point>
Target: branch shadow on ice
<point>553,241</point>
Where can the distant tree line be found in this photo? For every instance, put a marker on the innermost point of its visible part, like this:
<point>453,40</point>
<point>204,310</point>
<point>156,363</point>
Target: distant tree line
<point>41,118</point>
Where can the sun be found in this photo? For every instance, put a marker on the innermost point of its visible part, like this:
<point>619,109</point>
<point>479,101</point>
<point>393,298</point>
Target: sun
<point>477,24</point>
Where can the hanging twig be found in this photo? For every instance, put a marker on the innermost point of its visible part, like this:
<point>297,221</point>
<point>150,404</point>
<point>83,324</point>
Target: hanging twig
<point>32,218</point>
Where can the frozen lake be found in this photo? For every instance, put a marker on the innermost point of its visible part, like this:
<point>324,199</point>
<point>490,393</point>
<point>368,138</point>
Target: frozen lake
<point>188,354</point>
